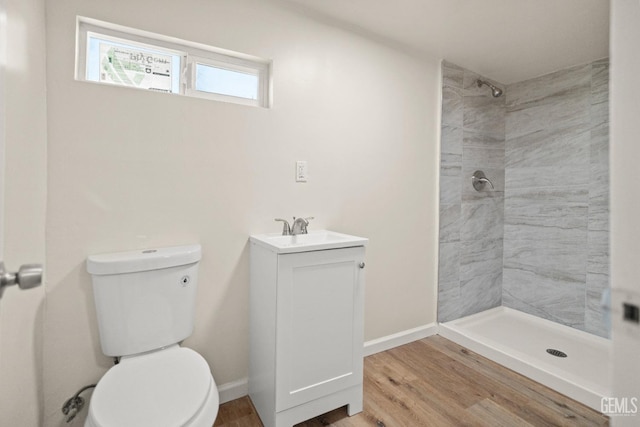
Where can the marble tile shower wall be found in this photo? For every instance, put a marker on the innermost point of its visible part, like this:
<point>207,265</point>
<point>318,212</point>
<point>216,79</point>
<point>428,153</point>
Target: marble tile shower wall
<point>556,227</point>
<point>539,242</point>
<point>471,222</point>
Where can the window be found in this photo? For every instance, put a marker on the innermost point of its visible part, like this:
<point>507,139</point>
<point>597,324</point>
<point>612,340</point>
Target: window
<point>115,55</point>
<point>118,62</point>
<point>212,79</point>
<point>237,81</point>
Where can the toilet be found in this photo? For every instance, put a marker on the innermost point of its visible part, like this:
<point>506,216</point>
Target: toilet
<point>145,305</point>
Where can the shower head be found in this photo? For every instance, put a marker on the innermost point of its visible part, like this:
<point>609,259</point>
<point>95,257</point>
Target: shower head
<point>495,91</point>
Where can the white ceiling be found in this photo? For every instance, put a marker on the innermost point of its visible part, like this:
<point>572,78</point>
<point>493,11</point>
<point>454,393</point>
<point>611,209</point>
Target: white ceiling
<point>505,40</point>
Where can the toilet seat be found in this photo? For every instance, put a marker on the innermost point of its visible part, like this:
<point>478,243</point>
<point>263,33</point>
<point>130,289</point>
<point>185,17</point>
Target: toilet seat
<point>172,387</point>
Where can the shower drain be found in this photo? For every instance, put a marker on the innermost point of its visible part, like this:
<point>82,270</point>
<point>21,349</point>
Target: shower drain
<point>556,353</point>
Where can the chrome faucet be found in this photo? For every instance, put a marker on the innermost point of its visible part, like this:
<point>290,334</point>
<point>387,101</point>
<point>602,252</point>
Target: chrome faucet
<point>299,226</point>
<point>286,229</point>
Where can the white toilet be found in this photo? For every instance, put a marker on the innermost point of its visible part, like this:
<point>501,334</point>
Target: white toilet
<point>145,306</point>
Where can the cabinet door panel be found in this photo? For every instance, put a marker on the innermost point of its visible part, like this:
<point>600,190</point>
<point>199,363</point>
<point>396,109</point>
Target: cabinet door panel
<point>319,332</point>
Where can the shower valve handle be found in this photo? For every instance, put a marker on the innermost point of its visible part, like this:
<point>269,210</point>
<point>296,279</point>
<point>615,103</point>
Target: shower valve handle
<point>487,181</point>
<point>479,180</point>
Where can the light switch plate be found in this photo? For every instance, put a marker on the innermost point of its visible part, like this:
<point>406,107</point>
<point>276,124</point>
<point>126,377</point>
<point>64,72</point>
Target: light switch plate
<point>302,171</point>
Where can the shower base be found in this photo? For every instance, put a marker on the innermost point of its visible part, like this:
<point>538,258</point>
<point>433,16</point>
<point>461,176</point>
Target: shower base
<point>520,341</point>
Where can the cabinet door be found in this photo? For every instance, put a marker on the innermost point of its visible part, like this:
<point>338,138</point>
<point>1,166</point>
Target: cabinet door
<point>319,324</point>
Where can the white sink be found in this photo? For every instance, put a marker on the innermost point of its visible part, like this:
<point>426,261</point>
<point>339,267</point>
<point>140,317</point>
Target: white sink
<point>317,240</point>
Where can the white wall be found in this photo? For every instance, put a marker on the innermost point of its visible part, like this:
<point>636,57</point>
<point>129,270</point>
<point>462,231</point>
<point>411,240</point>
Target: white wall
<point>625,197</point>
<point>132,169</point>
<point>24,170</point>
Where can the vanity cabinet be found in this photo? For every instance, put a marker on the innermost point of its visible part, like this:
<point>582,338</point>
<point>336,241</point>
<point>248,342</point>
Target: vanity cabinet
<point>306,332</point>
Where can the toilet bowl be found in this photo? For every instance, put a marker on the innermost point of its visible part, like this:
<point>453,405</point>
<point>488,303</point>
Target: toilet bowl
<point>172,387</point>
<point>145,305</point>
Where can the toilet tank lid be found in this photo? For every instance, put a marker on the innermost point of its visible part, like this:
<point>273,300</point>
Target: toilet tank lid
<point>143,259</point>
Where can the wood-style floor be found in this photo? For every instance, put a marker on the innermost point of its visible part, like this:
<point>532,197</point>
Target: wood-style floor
<point>435,382</point>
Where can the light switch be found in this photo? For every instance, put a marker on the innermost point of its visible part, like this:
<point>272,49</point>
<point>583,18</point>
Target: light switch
<point>302,171</point>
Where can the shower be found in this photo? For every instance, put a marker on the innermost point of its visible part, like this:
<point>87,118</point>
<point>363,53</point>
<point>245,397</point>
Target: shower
<point>495,91</point>
<point>532,299</point>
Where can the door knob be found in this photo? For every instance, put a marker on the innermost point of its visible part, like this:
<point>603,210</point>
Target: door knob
<point>29,276</point>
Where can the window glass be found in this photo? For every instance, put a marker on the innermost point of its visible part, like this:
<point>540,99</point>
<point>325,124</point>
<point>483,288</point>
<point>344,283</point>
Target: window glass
<point>226,82</point>
<point>124,64</point>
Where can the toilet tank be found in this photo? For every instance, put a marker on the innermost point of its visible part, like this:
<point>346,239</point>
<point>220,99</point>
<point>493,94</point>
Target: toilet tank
<point>144,299</point>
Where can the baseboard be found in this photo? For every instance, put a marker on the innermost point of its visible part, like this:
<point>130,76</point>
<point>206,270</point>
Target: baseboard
<point>404,337</point>
<point>233,390</point>
<point>240,388</point>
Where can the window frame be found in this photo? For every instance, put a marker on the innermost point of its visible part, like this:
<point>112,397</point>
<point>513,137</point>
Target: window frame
<point>190,54</point>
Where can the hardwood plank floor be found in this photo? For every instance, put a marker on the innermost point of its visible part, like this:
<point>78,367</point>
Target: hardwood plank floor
<point>435,382</point>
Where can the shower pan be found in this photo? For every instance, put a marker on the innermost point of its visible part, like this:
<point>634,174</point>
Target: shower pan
<point>520,341</point>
